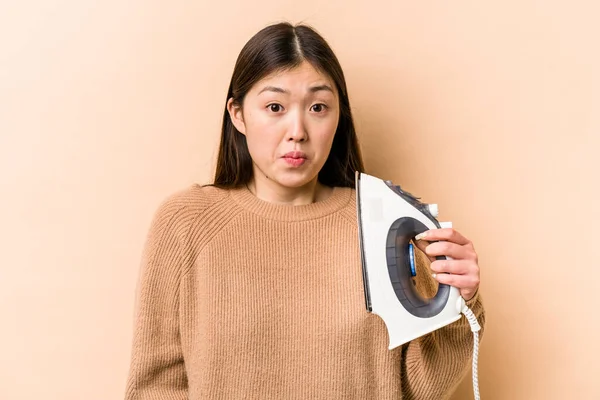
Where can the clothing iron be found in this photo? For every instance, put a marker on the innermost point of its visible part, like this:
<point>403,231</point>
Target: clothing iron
<point>388,219</point>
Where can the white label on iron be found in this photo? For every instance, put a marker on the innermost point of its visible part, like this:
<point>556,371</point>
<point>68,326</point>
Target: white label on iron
<point>375,210</point>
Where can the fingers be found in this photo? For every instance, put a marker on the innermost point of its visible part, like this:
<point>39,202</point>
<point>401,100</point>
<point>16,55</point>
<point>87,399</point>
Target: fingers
<point>450,249</point>
<point>458,281</point>
<point>456,267</point>
<point>462,274</point>
<point>462,270</point>
<point>446,234</point>
<point>467,284</point>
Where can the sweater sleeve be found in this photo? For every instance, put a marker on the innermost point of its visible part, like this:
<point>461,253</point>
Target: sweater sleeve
<point>157,369</point>
<point>434,364</point>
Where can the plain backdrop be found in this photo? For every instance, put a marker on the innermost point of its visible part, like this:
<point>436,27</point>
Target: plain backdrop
<point>491,109</point>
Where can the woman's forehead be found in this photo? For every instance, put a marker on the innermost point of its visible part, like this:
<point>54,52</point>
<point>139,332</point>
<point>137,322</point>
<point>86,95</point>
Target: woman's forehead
<point>300,78</point>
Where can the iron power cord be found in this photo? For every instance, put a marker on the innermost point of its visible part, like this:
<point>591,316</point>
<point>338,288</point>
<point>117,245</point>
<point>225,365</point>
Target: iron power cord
<point>475,328</point>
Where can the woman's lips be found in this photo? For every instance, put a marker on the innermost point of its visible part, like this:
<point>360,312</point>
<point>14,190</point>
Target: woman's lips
<point>294,162</point>
<point>295,158</point>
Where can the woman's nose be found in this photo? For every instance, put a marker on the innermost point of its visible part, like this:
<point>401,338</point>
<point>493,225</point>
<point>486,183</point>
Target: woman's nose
<point>297,130</point>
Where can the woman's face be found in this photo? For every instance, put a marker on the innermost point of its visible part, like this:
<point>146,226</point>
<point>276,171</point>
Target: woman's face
<point>289,119</point>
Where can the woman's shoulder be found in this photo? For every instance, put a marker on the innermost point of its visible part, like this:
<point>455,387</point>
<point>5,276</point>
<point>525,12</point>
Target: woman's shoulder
<point>197,195</point>
<point>191,201</point>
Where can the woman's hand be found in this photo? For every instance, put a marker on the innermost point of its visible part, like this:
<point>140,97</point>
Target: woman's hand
<point>462,271</point>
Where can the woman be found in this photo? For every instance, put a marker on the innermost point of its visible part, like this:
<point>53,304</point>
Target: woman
<point>251,287</point>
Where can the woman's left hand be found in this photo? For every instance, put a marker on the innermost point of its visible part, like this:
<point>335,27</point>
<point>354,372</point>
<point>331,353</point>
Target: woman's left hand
<point>462,271</point>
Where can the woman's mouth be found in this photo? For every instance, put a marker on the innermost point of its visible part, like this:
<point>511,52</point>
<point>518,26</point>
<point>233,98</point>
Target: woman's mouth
<point>294,158</point>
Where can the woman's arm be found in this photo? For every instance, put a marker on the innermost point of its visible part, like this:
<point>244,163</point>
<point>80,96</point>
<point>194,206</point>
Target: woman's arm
<point>157,368</point>
<point>434,364</point>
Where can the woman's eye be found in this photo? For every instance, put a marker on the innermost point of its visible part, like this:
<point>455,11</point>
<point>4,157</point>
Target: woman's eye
<point>318,108</point>
<point>275,107</point>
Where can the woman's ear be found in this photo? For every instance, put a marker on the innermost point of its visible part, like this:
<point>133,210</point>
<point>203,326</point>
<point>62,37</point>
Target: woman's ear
<point>237,118</point>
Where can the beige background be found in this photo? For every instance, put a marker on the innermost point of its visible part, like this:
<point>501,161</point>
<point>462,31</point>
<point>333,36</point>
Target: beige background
<point>490,109</point>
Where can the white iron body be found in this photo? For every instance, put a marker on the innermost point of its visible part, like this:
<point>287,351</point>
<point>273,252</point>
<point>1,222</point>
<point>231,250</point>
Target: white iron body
<point>379,207</point>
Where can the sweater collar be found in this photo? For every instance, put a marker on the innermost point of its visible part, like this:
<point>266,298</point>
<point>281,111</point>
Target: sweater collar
<point>339,198</point>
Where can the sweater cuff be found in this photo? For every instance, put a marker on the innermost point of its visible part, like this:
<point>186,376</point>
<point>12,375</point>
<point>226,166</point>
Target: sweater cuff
<point>473,299</point>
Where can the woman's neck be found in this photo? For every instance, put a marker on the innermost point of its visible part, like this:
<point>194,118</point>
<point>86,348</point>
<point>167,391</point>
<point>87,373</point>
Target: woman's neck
<point>274,192</point>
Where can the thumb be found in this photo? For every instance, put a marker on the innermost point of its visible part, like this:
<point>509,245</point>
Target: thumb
<point>421,245</point>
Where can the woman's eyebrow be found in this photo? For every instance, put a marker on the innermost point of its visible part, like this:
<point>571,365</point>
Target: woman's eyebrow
<point>321,87</point>
<point>313,89</point>
<point>274,89</point>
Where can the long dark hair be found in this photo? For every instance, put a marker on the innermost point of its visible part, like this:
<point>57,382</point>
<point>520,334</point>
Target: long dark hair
<point>275,48</point>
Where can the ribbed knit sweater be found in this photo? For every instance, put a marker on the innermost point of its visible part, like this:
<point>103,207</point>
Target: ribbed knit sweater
<point>240,298</point>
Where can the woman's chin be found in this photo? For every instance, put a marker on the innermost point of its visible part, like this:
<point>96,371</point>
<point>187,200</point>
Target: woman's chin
<point>295,181</point>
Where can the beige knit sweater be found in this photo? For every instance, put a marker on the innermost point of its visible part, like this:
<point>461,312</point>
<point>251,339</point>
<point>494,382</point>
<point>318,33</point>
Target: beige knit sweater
<point>244,299</point>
